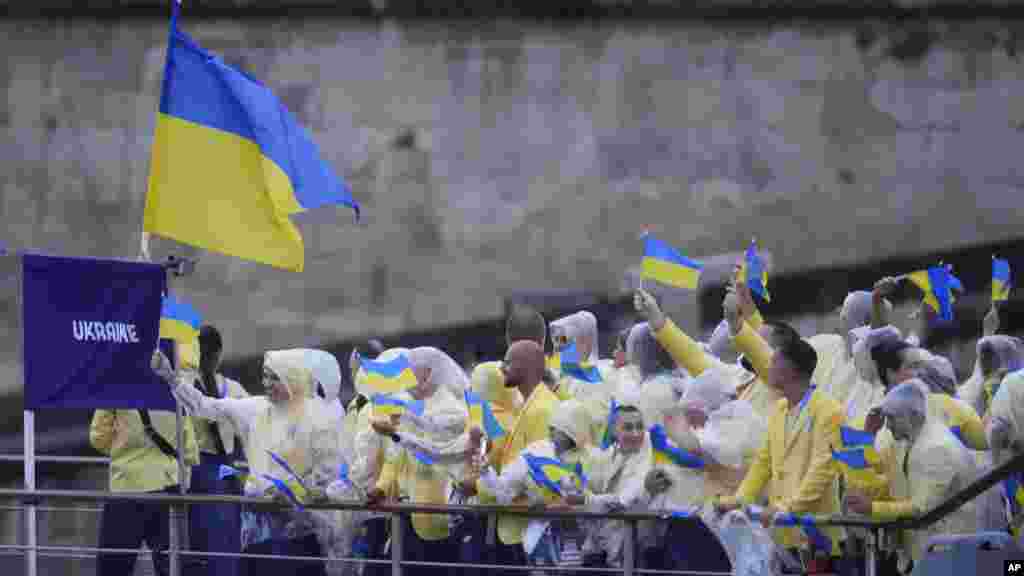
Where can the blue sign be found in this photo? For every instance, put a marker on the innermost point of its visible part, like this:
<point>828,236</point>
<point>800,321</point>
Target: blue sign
<point>90,328</point>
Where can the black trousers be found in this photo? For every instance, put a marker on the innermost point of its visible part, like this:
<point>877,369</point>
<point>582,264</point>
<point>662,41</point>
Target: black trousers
<point>308,546</point>
<point>376,537</point>
<point>127,525</point>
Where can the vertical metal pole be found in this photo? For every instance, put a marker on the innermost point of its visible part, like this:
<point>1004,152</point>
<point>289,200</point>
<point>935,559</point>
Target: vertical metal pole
<point>31,534</point>
<point>175,515</point>
<point>871,552</point>
<point>396,544</point>
<point>629,549</point>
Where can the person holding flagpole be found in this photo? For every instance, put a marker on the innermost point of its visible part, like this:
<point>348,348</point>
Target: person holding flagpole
<point>292,457</point>
<point>143,455</point>
<point>215,527</point>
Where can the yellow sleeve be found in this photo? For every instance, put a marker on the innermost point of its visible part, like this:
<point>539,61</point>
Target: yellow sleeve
<point>562,391</point>
<point>750,343</point>
<point>756,320</point>
<point>388,478</point>
<point>686,352</point>
<point>191,453</point>
<point>822,472</point>
<point>758,474</point>
<point>891,509</point>
<point>101,431</point>
<point>962,416</point>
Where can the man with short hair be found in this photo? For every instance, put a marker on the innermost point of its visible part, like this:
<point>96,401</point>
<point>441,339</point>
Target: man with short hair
<point>794,466</point>
<point>524,369</point>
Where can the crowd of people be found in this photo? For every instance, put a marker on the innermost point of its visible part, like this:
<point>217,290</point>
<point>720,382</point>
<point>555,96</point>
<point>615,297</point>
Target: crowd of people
<point>759,419</point>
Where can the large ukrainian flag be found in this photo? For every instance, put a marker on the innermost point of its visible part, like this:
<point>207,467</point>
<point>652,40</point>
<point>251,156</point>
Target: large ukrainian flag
<point>230,164</point>
<point>663,263</point>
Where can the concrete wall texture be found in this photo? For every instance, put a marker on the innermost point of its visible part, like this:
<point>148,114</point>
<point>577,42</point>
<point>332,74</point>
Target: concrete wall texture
<point>538,153</point>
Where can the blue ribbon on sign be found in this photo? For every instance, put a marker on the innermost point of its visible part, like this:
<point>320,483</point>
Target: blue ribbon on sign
<point>227,471</point>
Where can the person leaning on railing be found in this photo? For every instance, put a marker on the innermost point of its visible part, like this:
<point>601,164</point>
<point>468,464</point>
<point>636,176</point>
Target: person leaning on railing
<point>928,467</point>
<point>142,446</point>
<point>794,466</point>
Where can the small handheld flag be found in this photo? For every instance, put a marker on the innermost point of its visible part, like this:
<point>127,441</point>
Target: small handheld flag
<point>286,489</point>
<point>388,404</point>
<point>386,376</point>
<point>805,523</point>
<point>573,366</point>
<point>1002,281</point>
<point>663,263</point>
<point>550,474</point>
<point>481,415</point>
<point>284,464</point>
<point>609,431</point>
<point>754,273</point>
<point>665,452</point>
<point>938,294</point>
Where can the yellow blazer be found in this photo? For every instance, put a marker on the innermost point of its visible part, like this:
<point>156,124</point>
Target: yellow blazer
<point>531,426</point>
<point>796,466</point>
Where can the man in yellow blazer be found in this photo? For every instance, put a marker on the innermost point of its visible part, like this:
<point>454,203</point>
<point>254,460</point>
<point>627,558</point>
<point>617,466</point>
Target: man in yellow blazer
<point>794,466</point>
<point>523,368</point>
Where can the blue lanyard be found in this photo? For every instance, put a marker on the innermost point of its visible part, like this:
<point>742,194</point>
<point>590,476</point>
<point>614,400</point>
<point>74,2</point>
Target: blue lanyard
<point>807,398</point>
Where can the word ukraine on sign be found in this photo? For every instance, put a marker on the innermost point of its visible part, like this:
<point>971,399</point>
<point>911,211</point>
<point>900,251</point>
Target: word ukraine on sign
<point>90,327</point>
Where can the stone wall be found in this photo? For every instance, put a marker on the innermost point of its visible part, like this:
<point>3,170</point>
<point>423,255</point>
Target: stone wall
<point>503,156</point>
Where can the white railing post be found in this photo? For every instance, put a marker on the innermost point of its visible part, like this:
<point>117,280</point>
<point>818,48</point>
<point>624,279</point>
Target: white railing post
<point>31,532</point>
<point>396,543</point>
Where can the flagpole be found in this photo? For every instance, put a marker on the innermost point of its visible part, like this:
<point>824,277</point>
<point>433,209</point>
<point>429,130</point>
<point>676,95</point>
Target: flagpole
<point>29,434</point>
<point>175,516</point>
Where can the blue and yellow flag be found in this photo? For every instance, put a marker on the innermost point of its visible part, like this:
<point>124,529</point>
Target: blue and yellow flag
<point>663,263</point>
<point>550,474</point>
<point>293,491</point>
<point>857,457</point>
<point>1001,280</point>
<point>481,415</point>
<point>573,366</point>
<point>386,376</point>
<point>938,292</point>
<point>230,164</point>
<point>754,273</point>
<point>818,539</point>
<point>609,430</point>
<point>388,404</point>
<point>179,322</point>
<point>665,452</point>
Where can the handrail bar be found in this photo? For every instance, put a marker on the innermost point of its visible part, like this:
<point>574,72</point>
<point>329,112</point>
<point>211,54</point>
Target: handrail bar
<point>924,520</point>
<point>399,508</point>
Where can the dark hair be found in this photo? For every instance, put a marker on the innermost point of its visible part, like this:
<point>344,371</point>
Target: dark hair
<point>627,409</point>
<point>623,337</point>
<point>781,332</point>
<point>371,349</point>
<point>210,341</point>
<point>794,348</point>
<point>525,323</point>
<point>888,356</point>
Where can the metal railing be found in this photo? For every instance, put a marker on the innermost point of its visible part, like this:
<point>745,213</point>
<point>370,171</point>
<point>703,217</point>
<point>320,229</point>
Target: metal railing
<point>399,512</point>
